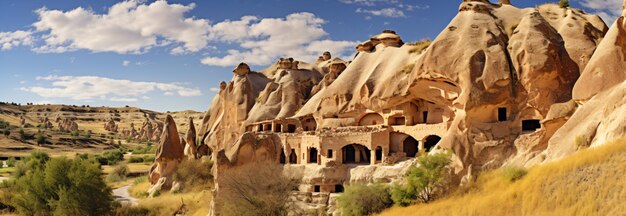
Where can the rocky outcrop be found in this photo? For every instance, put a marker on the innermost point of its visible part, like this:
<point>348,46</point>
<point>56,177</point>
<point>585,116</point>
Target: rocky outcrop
<point>67,125</point>
<point>150,130</point>
<point>190,138</point>
<point>110,126</point>
<point>168,155</point>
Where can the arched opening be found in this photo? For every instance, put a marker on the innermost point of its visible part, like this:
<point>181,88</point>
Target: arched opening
<point>312,155</point>
<point>338,188</point>
<point>410,146</point>
<point>282,156</point>
<point>430,142</point>
<point>293,157</point>
<point>379,153</point>
<point>371,119</point>
<point>355,153</point>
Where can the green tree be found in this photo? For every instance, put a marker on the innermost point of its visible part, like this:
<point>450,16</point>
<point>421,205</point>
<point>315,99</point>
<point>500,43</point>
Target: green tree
<point>22,134</point>
<point>364,200</point>
<point>6,132</point>
<point>61,186</point>
<point>423,179</point>
<point>41,139</point>
<point>11,162</point>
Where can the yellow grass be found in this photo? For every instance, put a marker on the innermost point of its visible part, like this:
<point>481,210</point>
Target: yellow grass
<point>197,201</point>
<point>590,182</point>
<point>132,167</point>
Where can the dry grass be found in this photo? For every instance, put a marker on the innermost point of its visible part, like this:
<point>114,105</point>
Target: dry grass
<point>589,182</point>
<point>133,168</point>
<point>419,46</point>
<point>197,202</point>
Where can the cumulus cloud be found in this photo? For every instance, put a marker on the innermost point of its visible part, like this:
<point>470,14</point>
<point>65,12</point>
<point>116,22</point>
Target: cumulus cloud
<point>262,41</point>
<point>125,63</point>
<point>385,12</point>
<point>9,40</point>
<point>94,87</point>
<point>128,27</point>
<point>609,10</point>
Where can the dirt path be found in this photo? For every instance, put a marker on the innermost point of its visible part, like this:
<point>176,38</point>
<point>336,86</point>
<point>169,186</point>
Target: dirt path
<point>121,195</point>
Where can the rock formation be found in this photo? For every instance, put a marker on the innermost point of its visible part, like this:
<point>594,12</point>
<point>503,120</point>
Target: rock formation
<point>150,130</point>
<point>22,120</point>
<point>495,88</point>
<point>66,125</point>
<point>190,138</point>
<point>110,126</point>
<point>168,155</point>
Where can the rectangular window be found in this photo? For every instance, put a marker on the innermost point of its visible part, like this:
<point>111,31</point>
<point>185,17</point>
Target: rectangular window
<point>330,153</point>
<point>501,114</point>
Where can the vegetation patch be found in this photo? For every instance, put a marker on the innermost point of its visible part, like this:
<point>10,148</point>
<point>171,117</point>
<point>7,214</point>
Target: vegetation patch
<point>364,200</point>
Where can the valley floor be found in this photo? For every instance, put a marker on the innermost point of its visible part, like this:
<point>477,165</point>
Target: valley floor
<point>590,182</point>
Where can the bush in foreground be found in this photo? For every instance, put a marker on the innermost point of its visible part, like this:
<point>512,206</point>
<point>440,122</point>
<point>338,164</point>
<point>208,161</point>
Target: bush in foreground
<point>424,180</point>
<point>364,200</point>
<point>194,173</point>
<point>60,186</point>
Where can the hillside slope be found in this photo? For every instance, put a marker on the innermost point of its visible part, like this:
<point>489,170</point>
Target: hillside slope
<point>588,182</point>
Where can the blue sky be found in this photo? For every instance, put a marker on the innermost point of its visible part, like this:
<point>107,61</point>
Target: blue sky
<point>171,55</point>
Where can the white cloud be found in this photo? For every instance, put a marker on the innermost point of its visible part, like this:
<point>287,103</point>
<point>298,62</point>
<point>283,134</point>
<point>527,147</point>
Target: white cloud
<point>168,93</point>
<point>8,40</point>
<point>127,27</point>
<point>609,10</point>
<point>125,63</point>
<point>116,99</point>
<point>93,87</point>
<point>369,2</point>
<point>262,41</point>
<point>385,12</point>
<point>214,89</point>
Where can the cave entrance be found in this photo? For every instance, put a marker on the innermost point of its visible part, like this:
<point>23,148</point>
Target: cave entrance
<point>430,142</point>
<point>293,157</point>
<point>282,156</point>
<point>530,125</point>
<point>356,153</point>
<point>501,114</point>
<point>410,146</point>
<point>312,155</point>
<point>379,153</point>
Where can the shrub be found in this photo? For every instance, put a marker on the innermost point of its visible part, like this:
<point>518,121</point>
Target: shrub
<point>148,158</point>
<point>419,46</point>
<point>22,134</point>
<point>6,132</point>
<point>364,200</point>
<point>256,189</point>
<point>4,124</point>
<point>423,179</point>
<point>564,3</point>
<point>86,135</point>
<point>119,173</point>
<point>41,139</point>
<point>135,159</point>
<point>192,173</point>
<point>75,133</point>
<point>11,162</point>
<point>513,173</point>
<point>110,157</point>
<point>60,186</point>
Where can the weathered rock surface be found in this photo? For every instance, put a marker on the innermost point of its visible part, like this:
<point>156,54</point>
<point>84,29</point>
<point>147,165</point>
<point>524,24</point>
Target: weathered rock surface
<point>168,155</point>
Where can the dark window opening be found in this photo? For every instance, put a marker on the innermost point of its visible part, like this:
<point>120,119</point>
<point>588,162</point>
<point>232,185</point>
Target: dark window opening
<point>260,127</point>
<point>425,116</point>
<point>350,153</point>
<point>501,114</point>
<point>399,121</point>
<point>316,188</point>
<point>291,128</point>
<point>306,128</point>
<point>338,188</point>
<point>293,157</point>
<point>330,153</point>
<point>430,142</point>
<point>531,125</point>
<point>282,156</point>
<point>268,127</point>
<point>313,155</point>
<point>278,128</point>
<point>379,153</point>
<point>410,146</point>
